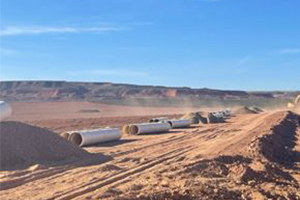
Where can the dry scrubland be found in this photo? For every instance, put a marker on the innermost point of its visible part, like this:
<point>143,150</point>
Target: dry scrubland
<point>251,156</point>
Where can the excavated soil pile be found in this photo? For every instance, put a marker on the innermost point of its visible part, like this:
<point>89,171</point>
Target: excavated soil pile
<point>203,118</point>
<point>257,109</point>
<point>278,144</point>
<point>23,145</point>
<point>196,117</point>
<point>245,110</point>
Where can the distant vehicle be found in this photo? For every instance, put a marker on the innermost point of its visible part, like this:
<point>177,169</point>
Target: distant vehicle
<point>295,103</point>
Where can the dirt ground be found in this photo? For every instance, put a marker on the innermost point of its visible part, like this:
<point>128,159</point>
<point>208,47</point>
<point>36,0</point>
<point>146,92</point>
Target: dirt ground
<point>253,156</point>
<point>78,110</point>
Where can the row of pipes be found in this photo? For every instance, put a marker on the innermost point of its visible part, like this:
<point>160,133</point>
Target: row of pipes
<point>155,126</point>
<point>95,136</point>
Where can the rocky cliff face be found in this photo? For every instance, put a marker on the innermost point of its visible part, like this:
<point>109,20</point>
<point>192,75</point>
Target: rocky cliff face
<point>78,91</point>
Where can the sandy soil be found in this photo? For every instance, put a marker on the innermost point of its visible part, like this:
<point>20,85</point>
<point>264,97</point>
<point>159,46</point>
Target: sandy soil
<point>248,157</point>
<point>68,116</point>
<point>78,110</point>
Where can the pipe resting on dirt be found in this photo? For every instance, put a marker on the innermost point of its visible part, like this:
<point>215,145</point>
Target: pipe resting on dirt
<point>146,128</point>
<point>89,137</point>
<point>180,123</point>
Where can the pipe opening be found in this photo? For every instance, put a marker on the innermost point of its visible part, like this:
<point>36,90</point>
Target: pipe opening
<point>134,129</point>
<point>171,124</point>
<point>75,138</point>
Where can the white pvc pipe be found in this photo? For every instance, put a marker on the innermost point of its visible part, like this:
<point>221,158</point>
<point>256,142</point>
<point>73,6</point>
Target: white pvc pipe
<point>180,123</point>
<point>5,110</point>
<point>89,137</point>
<point>146,128</point>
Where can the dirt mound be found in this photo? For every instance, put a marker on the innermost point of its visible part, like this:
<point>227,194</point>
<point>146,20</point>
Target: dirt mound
<point>246,110</point>
<point>196,117</point>
<point>257,109</point>
<point>278,144</point>
<point>203,118</point>
<point>23,145</point>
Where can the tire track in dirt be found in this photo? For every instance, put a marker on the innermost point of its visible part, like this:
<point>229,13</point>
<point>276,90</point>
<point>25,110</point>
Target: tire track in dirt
<point>36,180</point>
<point>188,139</point>
<point>48,174</point>
<point>83,189</point>
<point>31,177</point>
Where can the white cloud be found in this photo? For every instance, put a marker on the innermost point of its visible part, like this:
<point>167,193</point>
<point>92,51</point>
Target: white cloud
<point>288,51</point>
<point>37,30</point>
<point>108,72</point>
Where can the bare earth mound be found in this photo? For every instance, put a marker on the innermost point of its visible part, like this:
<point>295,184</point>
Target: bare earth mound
<point>279,143</point>
<point>23,144</point>
<point>245,110</point>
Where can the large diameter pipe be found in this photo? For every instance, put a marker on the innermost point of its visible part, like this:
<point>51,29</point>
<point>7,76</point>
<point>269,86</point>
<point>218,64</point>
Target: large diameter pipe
<point>95,136</point>
<point>146,128</point>
<point>5,110</point>
<point>180,123</point>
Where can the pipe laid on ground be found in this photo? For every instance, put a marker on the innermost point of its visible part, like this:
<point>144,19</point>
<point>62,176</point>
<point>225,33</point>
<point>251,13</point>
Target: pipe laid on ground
<point>180,123</point>
<point>146,128</point>
<point>5,110</point>
<point>89,137</point>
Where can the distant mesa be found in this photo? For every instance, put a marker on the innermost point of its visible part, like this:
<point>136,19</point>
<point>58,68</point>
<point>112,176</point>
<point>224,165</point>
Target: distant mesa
<point>128,94</point>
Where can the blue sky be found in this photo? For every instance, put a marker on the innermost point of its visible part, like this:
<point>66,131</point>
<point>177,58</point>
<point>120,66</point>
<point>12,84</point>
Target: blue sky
<point>223,44</point>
